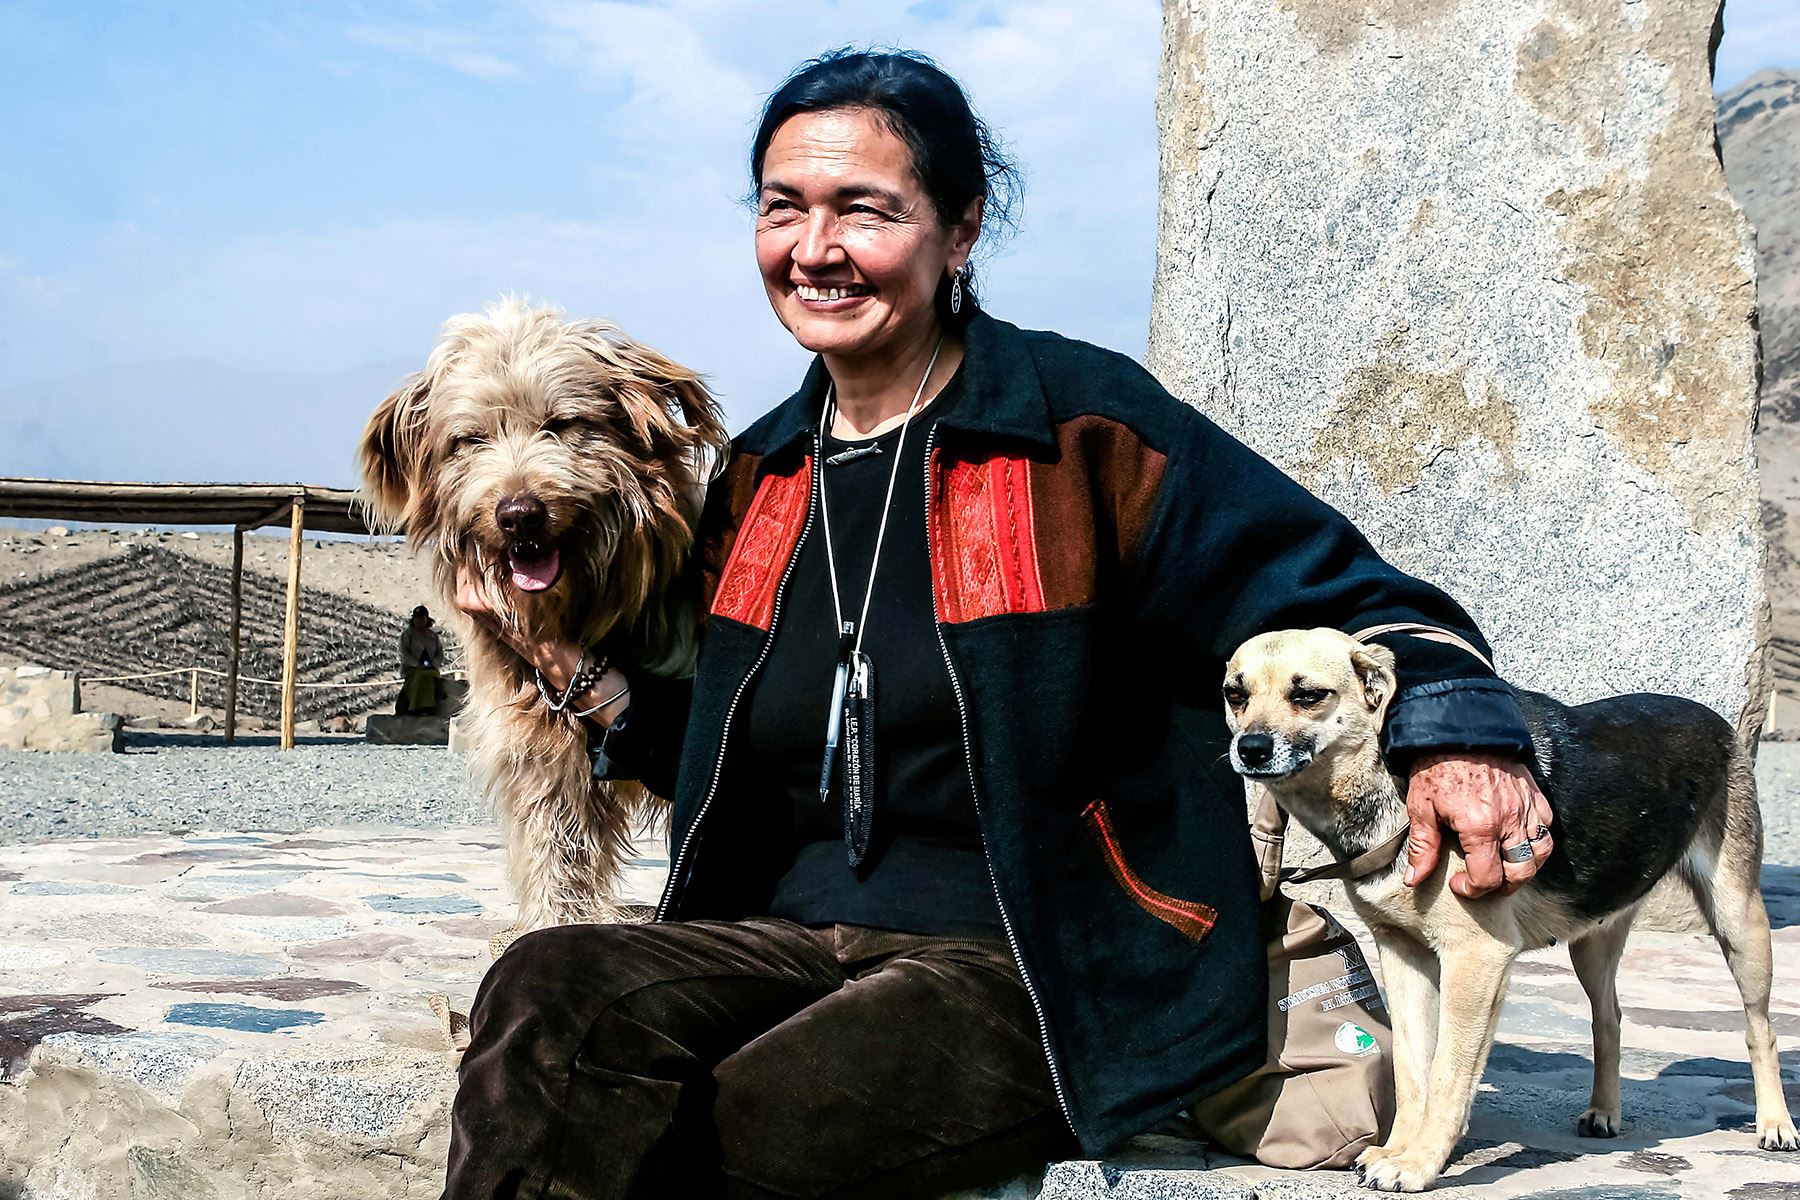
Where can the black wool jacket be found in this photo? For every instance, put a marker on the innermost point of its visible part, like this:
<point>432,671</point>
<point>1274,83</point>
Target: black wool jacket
<point>1098,550</point>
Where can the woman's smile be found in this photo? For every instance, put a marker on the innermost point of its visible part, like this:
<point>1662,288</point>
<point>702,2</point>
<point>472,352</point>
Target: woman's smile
<point>831,298</point>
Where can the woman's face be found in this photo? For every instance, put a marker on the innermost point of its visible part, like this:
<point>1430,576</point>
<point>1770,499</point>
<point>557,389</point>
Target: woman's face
<point>849,244</point>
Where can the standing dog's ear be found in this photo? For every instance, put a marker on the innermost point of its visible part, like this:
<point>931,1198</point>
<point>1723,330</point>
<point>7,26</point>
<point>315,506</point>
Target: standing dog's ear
<point>1374,664</point>
<point>387,446</point>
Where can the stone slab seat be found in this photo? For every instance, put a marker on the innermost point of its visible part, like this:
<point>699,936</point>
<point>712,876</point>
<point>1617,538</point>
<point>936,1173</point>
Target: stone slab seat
<point>247,1016</point>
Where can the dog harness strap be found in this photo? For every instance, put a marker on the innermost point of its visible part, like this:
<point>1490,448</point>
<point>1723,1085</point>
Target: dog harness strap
<point>1367,863</point>
<point>1430,633</point>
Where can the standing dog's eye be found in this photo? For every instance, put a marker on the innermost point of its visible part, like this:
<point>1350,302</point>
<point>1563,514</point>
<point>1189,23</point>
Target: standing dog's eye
<point>458,444</point>
<point>1237,697</point>
<point>1308,697</point>
<point>562,425</point>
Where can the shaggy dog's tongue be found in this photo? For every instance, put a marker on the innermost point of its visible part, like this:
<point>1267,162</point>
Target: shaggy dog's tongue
<point>535,572</point>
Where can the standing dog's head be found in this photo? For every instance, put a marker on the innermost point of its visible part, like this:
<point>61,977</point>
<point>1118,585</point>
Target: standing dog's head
<point>1298,697</point>
<point>562,461</point>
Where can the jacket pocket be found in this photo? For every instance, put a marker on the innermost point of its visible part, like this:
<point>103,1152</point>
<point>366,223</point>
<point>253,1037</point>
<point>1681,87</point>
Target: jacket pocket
<point>1190,918</point>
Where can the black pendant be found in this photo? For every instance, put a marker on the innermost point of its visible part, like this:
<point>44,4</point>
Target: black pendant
<point>859,757</point>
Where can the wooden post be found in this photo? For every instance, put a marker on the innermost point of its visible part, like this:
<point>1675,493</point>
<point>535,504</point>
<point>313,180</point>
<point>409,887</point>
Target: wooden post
<point>290,644</point>
<point>194,692</point>
<point>237,634</point>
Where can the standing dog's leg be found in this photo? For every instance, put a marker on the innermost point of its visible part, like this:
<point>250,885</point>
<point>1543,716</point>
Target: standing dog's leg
<point>1472,984</point>
<point>1730,896</point>
<point>1596,957</point>
<point>1409,976</point>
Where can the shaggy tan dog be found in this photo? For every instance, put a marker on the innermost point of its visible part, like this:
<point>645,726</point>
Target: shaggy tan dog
<point>565,464</point>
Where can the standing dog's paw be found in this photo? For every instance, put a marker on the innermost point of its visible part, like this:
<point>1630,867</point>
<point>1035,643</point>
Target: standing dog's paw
<point>1382,1169</point>
<point>1369,1157</point>
<point>1777,1134</point>
<point>1597,1122</point>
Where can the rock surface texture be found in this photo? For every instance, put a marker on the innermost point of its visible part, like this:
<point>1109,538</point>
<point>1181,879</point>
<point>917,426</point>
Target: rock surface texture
<point>254,1016</point>
<point>1471,273</point>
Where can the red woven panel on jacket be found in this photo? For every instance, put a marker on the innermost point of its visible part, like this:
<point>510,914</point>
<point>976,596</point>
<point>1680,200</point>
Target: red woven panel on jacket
<point>1191,918</point>
<point>764,544</point>
<point>984,540</point>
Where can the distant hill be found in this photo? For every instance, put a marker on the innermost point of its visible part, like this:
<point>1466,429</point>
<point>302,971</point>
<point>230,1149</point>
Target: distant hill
<point>1759,135</point>
<point>1759,138</point>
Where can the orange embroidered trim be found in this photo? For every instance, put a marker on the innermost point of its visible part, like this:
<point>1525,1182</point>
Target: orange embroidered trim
<point>765,542</point>
<point>1193,919</point>
<point>984,540</point>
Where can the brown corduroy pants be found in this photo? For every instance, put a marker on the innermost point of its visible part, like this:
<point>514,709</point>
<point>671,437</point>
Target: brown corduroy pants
<point>749,1059</point>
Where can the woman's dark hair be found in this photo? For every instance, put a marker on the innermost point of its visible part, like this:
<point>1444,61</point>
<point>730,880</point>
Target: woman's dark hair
<point>953,153</point>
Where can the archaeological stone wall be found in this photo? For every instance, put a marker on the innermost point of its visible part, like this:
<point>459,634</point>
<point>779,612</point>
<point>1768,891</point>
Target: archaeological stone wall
<point>1470,272</point>
<point>40,709</point>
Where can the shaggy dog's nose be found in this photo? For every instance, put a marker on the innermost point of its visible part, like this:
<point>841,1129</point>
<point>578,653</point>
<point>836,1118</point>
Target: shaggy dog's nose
<point>521,517</point>
<point>1256,749</point>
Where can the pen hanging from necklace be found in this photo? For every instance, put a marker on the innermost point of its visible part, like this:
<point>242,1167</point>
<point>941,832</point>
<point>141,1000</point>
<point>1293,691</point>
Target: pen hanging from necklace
<point>850,635</point>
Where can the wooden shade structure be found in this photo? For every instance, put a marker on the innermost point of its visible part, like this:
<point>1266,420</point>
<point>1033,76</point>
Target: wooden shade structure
<point>243,506</point>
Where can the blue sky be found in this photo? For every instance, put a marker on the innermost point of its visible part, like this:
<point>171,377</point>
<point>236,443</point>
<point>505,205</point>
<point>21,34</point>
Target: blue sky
<point>226,229</point>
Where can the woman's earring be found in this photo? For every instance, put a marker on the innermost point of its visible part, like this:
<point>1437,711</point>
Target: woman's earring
<point>956,277</point>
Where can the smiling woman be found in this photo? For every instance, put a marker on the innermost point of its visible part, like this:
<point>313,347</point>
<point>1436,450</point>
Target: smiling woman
<point>897,953</point>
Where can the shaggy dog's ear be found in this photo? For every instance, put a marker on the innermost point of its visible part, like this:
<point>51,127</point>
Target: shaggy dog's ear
<point>669,408</point>
<point>1374,665</point>
<point>388,445</point>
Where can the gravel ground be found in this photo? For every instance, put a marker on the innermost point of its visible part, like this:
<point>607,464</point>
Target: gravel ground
<point>179,782</point>
<point>171,783</point>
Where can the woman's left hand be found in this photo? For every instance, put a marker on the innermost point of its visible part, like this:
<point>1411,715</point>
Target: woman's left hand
<point>1490,803</point>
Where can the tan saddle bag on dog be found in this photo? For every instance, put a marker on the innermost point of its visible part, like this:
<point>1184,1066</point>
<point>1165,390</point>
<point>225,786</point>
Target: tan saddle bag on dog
<point>1327,1090</point>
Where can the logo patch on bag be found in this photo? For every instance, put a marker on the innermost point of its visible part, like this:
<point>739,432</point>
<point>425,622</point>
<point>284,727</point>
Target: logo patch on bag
<point>1354,1040</point>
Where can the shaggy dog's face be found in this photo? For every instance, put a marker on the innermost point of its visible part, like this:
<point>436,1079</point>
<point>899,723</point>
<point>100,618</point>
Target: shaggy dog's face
<point>561,461</point>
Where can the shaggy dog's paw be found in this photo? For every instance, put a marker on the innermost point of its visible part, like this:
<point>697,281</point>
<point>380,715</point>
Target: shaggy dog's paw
<point>452,1024</point>
<point>1382,1169</point>
<point>1777,1133</point>
<point>1597,1122</point>
<point>500,941</point>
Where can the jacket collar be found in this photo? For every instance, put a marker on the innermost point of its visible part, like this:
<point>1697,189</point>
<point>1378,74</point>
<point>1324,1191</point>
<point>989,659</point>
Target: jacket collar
<point>1003,397</point>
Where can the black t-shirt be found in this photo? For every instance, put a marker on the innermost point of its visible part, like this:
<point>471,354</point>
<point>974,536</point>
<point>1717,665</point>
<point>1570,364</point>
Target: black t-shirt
<point>925,871</point>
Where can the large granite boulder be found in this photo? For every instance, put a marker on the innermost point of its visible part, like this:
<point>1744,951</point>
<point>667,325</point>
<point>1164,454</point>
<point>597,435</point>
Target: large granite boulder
<point>1470,272</point>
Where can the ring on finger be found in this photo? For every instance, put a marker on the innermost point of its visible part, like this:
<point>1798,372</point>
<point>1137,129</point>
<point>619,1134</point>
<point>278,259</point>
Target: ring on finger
<point>1539,834</point>
<point>1521,853</point>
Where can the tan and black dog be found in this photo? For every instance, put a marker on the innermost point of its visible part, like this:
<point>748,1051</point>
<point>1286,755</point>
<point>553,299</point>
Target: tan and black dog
<point>1643,786</point>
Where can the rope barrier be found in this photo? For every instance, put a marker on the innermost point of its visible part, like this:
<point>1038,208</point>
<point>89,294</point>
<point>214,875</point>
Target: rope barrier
<point>248,678</point>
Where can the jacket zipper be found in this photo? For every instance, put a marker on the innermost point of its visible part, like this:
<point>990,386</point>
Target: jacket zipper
<point>962,714</point>
<point>712,787</point>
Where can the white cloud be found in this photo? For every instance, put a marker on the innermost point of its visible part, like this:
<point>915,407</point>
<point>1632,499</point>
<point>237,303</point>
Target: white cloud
<point>446,48</point>
<point>665,249</point>
<point>28,288</point>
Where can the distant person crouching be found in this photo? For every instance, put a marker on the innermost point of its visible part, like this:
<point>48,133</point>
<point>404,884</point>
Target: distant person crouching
<point>421,650</point>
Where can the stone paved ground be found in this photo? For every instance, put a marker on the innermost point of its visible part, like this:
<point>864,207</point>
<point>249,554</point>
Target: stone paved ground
<point>226,1015</point>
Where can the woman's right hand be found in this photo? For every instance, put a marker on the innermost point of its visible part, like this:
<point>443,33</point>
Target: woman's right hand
<point>555,659</point>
